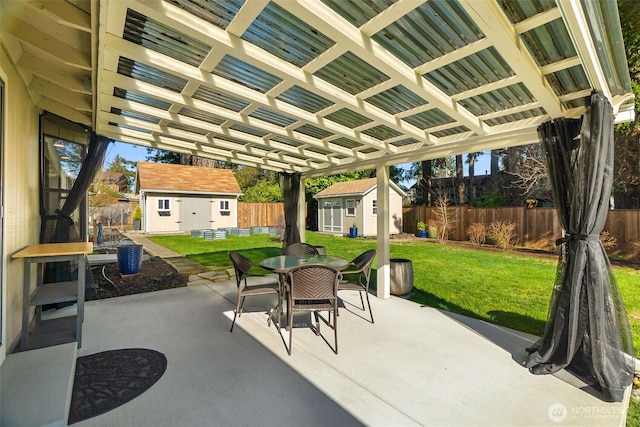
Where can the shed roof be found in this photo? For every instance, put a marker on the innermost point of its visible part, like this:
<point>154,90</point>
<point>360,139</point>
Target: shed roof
<point>357,187</point>
<point>183,178</point>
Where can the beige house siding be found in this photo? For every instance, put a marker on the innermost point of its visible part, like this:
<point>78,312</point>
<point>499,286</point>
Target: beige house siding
<point>370,220</point>
<point>153,221</point>
<point>21,213</point>
<point>222,221</point>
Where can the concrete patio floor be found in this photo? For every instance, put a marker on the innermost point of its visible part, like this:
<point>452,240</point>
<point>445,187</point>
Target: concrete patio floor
<point>415,366</point>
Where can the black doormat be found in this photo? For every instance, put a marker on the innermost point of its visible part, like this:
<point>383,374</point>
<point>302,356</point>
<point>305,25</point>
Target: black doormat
<point>106,380</point>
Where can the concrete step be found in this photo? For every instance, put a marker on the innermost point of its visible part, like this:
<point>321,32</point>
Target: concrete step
<point>36,386</point>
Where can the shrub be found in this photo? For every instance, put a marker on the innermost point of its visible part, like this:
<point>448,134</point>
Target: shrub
<point>137,213</point>
<point>477,233</point>
<point>636,245</point>
<point>444,218</point>
<point>547,242</point>
<point>503,233</point>
<point>491,200</point>
<point>608,241</point>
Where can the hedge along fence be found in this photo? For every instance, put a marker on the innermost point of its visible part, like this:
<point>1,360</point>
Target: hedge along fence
<point>260,214</point>
<point>536,228</point>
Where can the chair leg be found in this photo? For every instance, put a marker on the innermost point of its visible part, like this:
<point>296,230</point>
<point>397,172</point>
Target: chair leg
<point>234,321</point>
<point>240,305</point>
<point>369,304</point>
<point>335,326</point>
<point>290,325</point>
<point>315,314</point>
<point>238,309</point>
<point>279,312</point>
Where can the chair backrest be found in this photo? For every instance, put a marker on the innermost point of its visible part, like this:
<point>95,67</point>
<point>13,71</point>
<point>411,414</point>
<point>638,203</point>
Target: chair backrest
<point>241,265</point>
<point>313,282</point>
<point>300,249</point>
<point>363,262</point>
<point>364,258</point>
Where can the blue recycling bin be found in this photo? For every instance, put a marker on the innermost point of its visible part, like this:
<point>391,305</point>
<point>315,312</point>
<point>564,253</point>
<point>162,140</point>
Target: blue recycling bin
<point>130,259</point>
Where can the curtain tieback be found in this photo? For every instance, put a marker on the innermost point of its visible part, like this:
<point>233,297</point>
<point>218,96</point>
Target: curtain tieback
<point>64,216</point>
<point>577,237</point>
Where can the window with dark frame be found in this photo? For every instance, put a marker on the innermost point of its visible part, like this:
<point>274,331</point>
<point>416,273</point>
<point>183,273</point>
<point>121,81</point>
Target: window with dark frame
<point>164,207</point>
<point>224,208</point>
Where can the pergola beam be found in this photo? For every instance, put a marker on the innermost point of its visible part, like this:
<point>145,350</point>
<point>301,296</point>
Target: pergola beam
<point>503,36</point>
<point>330,23</point>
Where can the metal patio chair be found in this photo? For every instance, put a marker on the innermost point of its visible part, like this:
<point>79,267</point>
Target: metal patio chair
<point>241,265</point>
<point>313,288</point>
<point>358,276</point>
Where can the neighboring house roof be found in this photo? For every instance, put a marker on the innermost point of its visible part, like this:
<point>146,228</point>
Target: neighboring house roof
<point>117,180</point>
<point>112,176</point>
<point>163,177</point>
<point>358,187</point>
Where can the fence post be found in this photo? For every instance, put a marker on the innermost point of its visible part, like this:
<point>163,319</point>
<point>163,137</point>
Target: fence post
<point>525,226</point>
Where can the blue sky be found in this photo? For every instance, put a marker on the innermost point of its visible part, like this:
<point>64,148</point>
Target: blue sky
<point>131,152</point>
<point>138,153</point>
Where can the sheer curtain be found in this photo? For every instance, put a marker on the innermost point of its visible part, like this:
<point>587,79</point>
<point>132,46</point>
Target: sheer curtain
<point>93,161</point>
<point>587,330</point>
<point>290,183</point>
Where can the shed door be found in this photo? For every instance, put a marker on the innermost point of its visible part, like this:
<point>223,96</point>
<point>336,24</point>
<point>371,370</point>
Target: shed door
<point>332,216</point>
<point>195,213</point>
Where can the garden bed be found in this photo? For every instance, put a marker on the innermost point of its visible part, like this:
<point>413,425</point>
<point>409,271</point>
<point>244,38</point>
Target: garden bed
<point>155,275</point>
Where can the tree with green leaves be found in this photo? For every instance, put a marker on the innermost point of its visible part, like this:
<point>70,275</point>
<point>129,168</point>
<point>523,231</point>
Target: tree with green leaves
<point>126,167</point>
<point>258,185</point>
<point>155,155</point>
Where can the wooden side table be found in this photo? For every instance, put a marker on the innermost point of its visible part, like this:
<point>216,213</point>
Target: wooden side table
<point>59,330</point>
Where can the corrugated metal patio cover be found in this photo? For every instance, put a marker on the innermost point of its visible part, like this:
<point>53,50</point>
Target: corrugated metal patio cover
<point>333,85</point>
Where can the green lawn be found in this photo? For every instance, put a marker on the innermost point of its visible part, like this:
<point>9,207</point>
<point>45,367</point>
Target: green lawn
<point>507,289</point>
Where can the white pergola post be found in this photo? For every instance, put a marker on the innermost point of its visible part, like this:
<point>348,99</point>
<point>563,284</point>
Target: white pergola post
<point>302,212</point>
<point>384,277</point>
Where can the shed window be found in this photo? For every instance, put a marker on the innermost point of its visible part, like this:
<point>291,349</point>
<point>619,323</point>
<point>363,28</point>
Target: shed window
<point>224,208</point>
<point>351,208</point>
<point>374,207</point>
<point>164,205</point>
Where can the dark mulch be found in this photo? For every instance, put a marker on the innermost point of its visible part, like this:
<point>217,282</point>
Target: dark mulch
<point>155,275</point>
<point>106,380</point>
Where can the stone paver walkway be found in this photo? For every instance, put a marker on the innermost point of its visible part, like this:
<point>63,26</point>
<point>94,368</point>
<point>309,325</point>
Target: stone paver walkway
<point>181,264</point>
<point>198,274</point>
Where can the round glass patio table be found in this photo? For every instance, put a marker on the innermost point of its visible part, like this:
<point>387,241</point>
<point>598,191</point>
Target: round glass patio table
<point>284,263</point>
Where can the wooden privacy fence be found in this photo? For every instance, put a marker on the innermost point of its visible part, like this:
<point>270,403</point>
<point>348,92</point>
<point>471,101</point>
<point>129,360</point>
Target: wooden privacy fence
<point>260,214</point>
<point>537,227</point>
